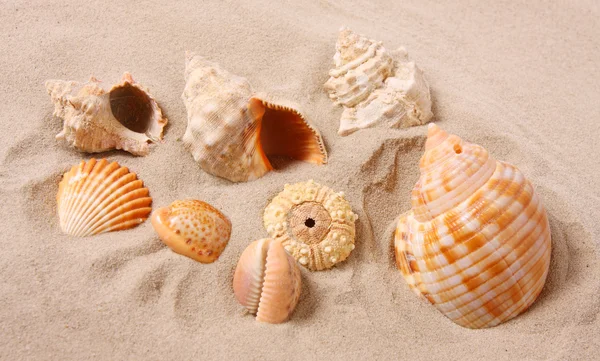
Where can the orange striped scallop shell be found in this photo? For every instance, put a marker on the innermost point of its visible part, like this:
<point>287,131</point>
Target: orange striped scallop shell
<point>476,243</point>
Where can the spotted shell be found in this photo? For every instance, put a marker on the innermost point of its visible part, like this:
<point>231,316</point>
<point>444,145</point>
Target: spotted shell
<point>232,131</point>
<point>193,228</point>
<point>315,224</point>
<point>126,117</point>
<point>96,197</point>
<point>476,243</point>
<point>267,281</point>
<point>376,86</point>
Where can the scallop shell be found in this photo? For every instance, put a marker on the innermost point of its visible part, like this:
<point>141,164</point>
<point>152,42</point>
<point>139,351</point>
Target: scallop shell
<point>193,228</point>
<point>315,224</point>
<point>126,117</point>
<point>376,86</point>
<point>231,131</point>
<point>476,243</point>
<point>267,281</point>
<point>96,197</point>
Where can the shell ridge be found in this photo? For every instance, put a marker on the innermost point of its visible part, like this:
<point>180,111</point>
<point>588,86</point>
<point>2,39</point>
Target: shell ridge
<point>81,185</point>
<point>120,205</point>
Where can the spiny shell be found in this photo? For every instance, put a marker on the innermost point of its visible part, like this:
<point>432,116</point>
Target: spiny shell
<point>96,197</point>
<point>476,243</point>
<point>231,131</point>
<point>126,117</point>
<point>193,228</point>
<point>267,281</point>
<point>315,224</point>
<point>376,86</point>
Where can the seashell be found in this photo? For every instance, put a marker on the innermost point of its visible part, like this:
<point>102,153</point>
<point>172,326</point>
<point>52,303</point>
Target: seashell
<point>375,86</point>
<point>267,281</point>
<point>231,131</point>
<point>315,224</point>
<point>476,243</point>
<point>126,117</point>
<point>193,228</point>
<point>96,197</point>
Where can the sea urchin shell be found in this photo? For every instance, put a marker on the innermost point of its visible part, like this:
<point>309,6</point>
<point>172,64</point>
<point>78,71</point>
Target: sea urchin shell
<point>315,224</point>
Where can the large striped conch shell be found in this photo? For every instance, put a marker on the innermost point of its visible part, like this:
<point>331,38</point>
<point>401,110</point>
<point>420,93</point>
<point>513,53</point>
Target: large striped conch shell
<point>314,223</point>
<point>126,117</point>
<point>267,281</point>
<point>96,197</point>
<point>193,228</point>
<point>476,243</point>
<point>231,131</point>
<point>376,86</point>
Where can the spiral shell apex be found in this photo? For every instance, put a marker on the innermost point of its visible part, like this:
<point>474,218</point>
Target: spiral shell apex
<point>315,224</point>
<point>476,243</point>
<point>126,117</point>
<point>96,197</point>
<point>232,131</point>
<point>376,86</point>
<point>193,228</point>
<point>267,281</point>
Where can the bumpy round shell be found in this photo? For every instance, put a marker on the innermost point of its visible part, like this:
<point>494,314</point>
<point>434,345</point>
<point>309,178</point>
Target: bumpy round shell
<point>126,117</point>
<point>315,224</point>
<point>96,197</point>
<point>476,243</point>
<point>193,228</point>
<point>267,281</point>
<point>231,131</point>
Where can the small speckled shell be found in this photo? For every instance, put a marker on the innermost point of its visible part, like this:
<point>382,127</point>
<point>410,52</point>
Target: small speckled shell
<point>315,224</point>
<point>126,117</point>
<point>231,131</point>
<point>96,197</point>
<point>193,228</point>
<point>476,243</point>
<point>267,281</point>
<point>376,86</point>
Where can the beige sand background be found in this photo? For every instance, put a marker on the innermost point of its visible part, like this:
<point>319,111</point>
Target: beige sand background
<point>520,78</point>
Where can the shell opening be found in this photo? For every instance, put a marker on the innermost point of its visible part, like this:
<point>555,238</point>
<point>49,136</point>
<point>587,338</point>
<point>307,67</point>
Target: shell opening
<point>310,223</point>
<point>284,132</point>
<point>132,107</point>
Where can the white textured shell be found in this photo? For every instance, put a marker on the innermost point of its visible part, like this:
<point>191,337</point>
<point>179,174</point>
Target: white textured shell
<point>96,197</point>
<point>315,224</point>
<point>88,112</point>
<point>231,130</point>
<point>376,86</point>
<point>476,243</point>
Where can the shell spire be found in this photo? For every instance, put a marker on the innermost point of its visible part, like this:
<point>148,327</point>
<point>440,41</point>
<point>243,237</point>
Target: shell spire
<point>233,131</point>
<point>476,243</point>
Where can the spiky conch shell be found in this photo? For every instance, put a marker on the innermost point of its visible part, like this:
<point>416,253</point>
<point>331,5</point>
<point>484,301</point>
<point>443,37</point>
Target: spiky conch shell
<point>231,130</point>
<point>476,243</point>
<point>315,224</point>
<point>193,228</point>
<point>90,124</point>
<point>96,197</point>
<point>267,281</point>
<point>376,86</point>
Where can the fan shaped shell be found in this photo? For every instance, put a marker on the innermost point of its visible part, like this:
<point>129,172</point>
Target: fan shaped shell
<point>315,224</point>
<point>376,86</point>
<point>96,197</point>
<point>193,228</point>
<point>267,281</point>
<point>476,243</point>
<point>126,117</point>
<point>231,130</point>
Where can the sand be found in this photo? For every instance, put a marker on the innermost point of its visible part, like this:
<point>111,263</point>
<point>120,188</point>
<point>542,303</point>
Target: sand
<point>519,78</point>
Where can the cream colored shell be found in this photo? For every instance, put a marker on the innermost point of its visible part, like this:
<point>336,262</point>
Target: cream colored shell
<point>376,86</point>
<point>476,243</point>
<point>96,197</point>
<point>126,117</point>
<point>267,281</point>
<point>315,224</point>
<point>231,130</point>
